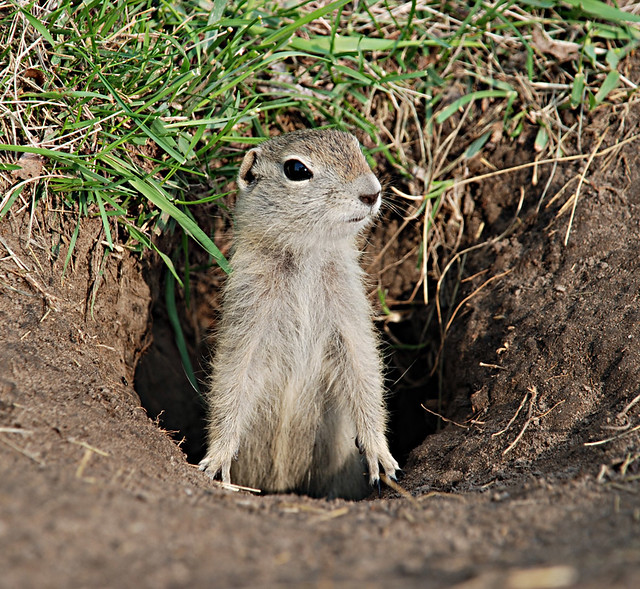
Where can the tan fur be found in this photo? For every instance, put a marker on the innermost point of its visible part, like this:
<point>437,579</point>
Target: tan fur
<point>297,378</point>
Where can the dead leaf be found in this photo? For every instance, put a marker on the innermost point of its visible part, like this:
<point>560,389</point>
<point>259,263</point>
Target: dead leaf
<point>561,50</point>
<point>480,400</point>
<point>36,75</point>
<point>31,166</point>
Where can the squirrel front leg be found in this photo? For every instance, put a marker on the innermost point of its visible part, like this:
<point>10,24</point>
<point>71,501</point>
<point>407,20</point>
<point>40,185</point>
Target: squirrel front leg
<point>232,399</point>
<point>360,384</point>
<point>225,429</point>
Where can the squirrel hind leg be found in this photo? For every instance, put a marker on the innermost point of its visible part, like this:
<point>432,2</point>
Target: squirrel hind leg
<point>350,482</point>
<point>337,468</point>
<point>339,472</point>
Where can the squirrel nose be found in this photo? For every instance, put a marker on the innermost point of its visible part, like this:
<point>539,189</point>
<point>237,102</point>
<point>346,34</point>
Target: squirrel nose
<point>370,199</point>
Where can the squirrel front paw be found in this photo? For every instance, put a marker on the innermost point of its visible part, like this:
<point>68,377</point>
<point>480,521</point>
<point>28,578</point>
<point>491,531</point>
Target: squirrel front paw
<point>377,458</point>
<point>213,465</point>
<point>388,463</point>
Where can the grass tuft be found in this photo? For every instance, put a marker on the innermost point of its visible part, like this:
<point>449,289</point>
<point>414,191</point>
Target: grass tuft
<point>135,111</point>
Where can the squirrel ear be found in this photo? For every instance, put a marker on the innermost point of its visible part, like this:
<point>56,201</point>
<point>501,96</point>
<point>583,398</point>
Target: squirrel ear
<point>246,175</point>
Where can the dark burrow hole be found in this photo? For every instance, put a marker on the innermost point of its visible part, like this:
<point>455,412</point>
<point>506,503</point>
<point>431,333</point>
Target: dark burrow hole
<point>168,397</point>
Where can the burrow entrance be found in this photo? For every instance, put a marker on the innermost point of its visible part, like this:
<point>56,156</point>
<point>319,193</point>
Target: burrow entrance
<point>420,377</point>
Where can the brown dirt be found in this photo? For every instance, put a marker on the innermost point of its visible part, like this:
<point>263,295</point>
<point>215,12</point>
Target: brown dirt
<point>538,363</point>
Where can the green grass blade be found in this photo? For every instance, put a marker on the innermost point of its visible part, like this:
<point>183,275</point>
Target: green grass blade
<point>160,141</point>
<point>105,219</point>
<point>181,343</point>
<point>151,190</point>
<point>217,12</point>
<point>577,90</point>
<point>12,198</point>
<point>36,24</point>
<point>148,243</point>
<point>477,145</point>
<point>72,245</point>
<point>444,114</point>
<point>290,29</point>
<point>610,83</point>
<point>541,140</point>
<point>598,9</point>
<point>347,45</point>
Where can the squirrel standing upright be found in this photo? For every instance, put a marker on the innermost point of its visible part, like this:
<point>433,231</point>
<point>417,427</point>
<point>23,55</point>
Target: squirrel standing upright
<point>296,394</point>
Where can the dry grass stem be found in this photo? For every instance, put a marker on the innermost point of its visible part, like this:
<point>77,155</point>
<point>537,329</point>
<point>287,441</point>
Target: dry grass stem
<point>86,457</point>
<point>515,416</point>
<point>623,413</point>
<point>564,159</point>
<point>628,461</point>
<point>445,418</point>
<point>576,196</point>
<point>541,415</point>
<point>432,494</point>
<point>495,366</point>
<point>15,430</point>
<point>87,446</point>
<point>236,488</point>
<point>398,489</point>
<point>613,438</point>
<point>333,514</point>
<point>473,294</point>
<point>459,254</point>
<point>527,423</point>
<point>29,455</point>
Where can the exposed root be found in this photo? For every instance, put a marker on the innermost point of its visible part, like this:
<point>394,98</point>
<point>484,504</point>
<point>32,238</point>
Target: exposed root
<point>530,417</point>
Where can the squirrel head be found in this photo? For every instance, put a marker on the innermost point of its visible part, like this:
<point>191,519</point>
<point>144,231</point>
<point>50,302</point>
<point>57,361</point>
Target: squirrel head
<point>313,183</point>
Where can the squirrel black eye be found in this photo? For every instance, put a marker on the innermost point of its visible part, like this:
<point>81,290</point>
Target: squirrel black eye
<point>295,170</point>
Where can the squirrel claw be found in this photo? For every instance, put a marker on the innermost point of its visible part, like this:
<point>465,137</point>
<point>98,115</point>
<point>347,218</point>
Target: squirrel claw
<point>206,467</point>
<point>213,468</point>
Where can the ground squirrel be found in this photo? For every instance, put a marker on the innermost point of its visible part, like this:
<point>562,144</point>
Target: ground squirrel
<point>296,395</point>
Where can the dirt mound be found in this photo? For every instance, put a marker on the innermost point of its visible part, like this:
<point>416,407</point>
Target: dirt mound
<point>546,359</point>
<point>535,484</point>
